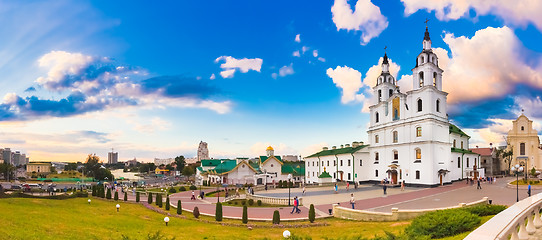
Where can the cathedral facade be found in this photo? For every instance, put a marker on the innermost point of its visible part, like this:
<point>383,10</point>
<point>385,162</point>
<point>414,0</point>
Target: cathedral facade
<point>410,136</point>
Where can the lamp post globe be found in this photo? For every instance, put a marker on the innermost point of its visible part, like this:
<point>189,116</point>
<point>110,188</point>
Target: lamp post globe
<point>89,201</point>
<point>286,234</point>
<point>118,207</point>
<point>166,220</point>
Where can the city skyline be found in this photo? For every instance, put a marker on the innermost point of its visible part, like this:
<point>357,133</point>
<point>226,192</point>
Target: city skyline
<point>152,81</point>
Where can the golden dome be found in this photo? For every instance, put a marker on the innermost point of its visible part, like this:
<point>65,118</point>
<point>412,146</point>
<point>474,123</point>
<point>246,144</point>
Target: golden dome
<point>269,148</point>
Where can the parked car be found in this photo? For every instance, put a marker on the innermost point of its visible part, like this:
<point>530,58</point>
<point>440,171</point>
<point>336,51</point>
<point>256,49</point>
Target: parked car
<point>15,187</point>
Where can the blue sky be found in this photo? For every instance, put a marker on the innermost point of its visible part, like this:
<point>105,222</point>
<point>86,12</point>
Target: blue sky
<point>148,80</point>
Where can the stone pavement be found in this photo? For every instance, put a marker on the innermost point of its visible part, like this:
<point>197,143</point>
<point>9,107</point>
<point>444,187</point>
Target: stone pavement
<point>368,197</point>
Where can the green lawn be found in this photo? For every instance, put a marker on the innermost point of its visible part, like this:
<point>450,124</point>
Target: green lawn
<point>24,218</point>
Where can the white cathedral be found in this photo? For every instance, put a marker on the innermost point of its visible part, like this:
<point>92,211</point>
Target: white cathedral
<point>411,138</point>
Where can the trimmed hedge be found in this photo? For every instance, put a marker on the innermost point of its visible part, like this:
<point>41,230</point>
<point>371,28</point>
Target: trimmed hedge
<point>108,196</point>
<point>193,187</point>
<point>442,223</point>
<point>125,196</point>
<point>276,217</point>
<point>259,202</point>
<point>486,210</point>
<point>218,212</point>
<point>312,214</point>
<point>179,208</point>
<point>251,202</point>
<point>116,196</point>
<point>137,196</point>
<point>56,197</point>
<point>196,212</point>
<point>245,214</point>
<point>172,190</point>
<point>182,189</point>
<point>149,200</point>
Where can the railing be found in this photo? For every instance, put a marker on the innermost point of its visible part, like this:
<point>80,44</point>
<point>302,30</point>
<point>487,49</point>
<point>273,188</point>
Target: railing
<point>510,223</point>
<point>273,200</point>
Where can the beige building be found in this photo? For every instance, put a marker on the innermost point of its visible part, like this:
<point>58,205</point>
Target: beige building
<point>524,141</point>
<point>38,167</point>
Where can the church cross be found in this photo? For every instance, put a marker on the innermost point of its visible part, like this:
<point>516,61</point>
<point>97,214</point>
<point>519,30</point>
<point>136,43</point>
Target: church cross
<point>385,47</point>
<point>426,20</point>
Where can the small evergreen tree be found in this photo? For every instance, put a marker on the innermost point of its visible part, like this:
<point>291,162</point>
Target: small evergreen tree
<point>179,208</point>
<point>245,215</point>
<point>94,191</point>
<point>196,212</point>
<point>137,196</point>
<point>108,196</point>
<point>312,214</point>
<point>116,196</point>
<point>102,192</point>
<point>167,203</point>
<point>276,217</point>
<point>149,201</point>
<point>125,196</point>
<point>218,212</point>
<point>156,201</point>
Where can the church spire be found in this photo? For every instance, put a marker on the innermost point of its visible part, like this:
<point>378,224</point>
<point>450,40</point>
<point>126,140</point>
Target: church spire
<point>426,37</point>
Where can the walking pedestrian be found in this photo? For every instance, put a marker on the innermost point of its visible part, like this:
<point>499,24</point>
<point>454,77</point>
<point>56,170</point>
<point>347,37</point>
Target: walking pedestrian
<point>336,188</point>
<point>529,190</point>
<point>352,200</point>
<point>303,190</point>
<point>296,208</point>
<point>194,196</point>
<point>385,187</point>
<point>347,186</point>
<point>403,185</point>
<point>478,186</point>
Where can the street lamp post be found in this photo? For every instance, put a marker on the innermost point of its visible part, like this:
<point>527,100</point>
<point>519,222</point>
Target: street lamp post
<point>166,220</point>
<point>289,179</point>
<point>517,170</point>
<point>118,207</point>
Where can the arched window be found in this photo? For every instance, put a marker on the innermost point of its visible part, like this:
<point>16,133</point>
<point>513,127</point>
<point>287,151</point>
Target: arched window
<point>522,149</point>
<point>467,162</point>
<point>420,76</point>
<point>376,138</point>
<point>438,105</point>
<point>434,79</point>
<point>417,174</point>
<point>395,155</point>
<point>458,162</point>
<point>376,156</point>
<point>461,144</point>
<point>395,137</point>
<point>522,128</point>
<point>418,154</point>
<point>418,131</point>
<point>423,59</point>
<point>376,117</point>
<point>391,92</point>
<point>419,105</point>
<point>379,95</point>
<point>376,173</point>
<point>454,143</point>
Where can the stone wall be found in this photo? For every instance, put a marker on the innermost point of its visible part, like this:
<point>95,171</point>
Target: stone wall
<point>395,214</point>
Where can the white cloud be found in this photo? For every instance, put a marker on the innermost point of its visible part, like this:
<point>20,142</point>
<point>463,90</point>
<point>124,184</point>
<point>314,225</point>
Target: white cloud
<point>375,71</point>
<point>298,38</point>
<point>212,76</point>
<point>348,80</point>
<point>405,83</point>
<point>274,75</point>
<point>296,54</point>
<point>259,149</point>
<point>231,64</point>
<point>321,59</point>
<point>514,12</point>
<point>286,70</point>
<point>60,64</point>
<point>366,18</point>
<point>314,148</point>
<point>488,65</point>
<point>315,53</point>
<point>304,49</point>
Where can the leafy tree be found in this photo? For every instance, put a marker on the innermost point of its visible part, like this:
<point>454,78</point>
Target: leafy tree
<point>169,167</point>
<point>179,160</point>
<point>137,196</point>
<point>70,167</point>
<point>94,168</point>
<point>218,212</point>
<point>147,167</point>
<point>167,203</point>
<point>108,196</point>
<point>125,196</point>
<point>7,170</point>
<point>312,213</point>
<point>149,200</point>
<point>245,214</point>
<point>116,196</point>
<point>187,171</point>
<point>179,208</point>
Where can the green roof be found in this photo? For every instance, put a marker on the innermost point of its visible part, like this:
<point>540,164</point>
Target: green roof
<point>200,169</point>
<point>324,175</point>
<point>338,151</point>
<point>295,168</point>
<point>225,166</point>
<point>459,150</point>
<point>263,158</point>
<point>210,162</point>
<point>455,129</point>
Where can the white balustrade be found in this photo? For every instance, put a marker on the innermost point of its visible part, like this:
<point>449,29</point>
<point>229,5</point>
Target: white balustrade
<point>519,221</point>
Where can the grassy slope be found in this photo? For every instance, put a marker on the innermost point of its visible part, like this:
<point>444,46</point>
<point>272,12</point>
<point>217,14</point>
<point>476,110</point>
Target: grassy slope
<point>76,219</point>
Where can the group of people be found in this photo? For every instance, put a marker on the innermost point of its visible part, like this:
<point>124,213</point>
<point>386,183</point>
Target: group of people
<point>479,180</point>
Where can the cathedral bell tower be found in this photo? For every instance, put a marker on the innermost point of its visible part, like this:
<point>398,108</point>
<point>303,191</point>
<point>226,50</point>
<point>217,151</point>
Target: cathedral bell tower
<point>427,71</point>
<point>385,83</point>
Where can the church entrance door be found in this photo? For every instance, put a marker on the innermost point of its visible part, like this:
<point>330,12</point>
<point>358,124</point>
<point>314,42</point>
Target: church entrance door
<point>341,172</point>
<point>394,177</point>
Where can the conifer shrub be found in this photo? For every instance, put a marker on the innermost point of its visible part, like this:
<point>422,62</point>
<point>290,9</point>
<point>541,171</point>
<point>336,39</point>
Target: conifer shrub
<point>312,213</point>
<point>251,202</point>
<point>167,203</point>
<point>116,196</point>
<point>442,223</point>
<point>193,187</point>
<point>182,189</point>
<point>218,212</point>
<point>276,217</point>
<point>149,196</point>
<point>137,196</point>
<point>179,208</point>
<point>125,196</point>
<point>108,196</point>
<point>196,212</point>
<point>245,214</point>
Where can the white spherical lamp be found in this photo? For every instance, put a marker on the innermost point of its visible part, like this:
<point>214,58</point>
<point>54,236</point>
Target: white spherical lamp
<point>118,207</point>
<point>166,220</point>
<point>89,201</point>
<point>286,234</point>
